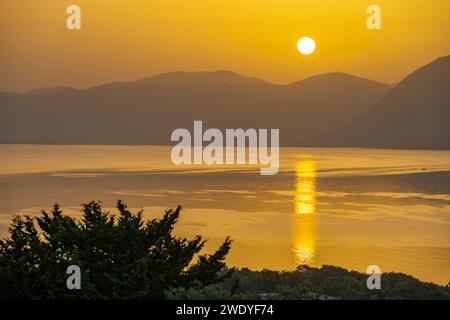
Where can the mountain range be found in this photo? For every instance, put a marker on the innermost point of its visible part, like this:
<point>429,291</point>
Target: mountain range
<point>333,110</point>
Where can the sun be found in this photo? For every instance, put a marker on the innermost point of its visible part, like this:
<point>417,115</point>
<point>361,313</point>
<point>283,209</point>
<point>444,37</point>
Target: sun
<point>306,45</point>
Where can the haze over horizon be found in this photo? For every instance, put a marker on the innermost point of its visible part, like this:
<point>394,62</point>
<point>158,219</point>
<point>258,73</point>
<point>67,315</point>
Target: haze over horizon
<point>200,73</point>
<point>211,76</point>
<point>125,43</point>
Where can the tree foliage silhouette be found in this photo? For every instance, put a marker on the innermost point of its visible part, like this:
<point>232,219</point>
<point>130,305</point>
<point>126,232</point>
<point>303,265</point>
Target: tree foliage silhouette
<point>123,257</point>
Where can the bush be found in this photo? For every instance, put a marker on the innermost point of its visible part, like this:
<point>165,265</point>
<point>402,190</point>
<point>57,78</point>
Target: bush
<point>122,257</point>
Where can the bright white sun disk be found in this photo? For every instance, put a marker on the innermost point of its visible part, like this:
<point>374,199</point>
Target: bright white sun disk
<point>306,45</point>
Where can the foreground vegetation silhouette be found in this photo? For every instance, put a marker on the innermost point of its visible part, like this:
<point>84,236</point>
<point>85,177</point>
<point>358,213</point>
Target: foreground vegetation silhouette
<point>128,257</point>
<point>308,283</point>
<point>123,257</point>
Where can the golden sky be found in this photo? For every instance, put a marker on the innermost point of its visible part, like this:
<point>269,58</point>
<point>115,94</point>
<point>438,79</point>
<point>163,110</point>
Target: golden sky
<point>124,40</point>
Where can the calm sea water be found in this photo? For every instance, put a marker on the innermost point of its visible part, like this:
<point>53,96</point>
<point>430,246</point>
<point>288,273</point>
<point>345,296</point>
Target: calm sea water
<point>347,207</point>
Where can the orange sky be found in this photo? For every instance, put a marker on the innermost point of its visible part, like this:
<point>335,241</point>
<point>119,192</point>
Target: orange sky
<point>124,40</point>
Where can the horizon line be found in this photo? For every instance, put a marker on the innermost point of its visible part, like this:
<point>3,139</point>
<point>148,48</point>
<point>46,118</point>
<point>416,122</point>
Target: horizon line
<point>56,87</point>
<point>216,71</point>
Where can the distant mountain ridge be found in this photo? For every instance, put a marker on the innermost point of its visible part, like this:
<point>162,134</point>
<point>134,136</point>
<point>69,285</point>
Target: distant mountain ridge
<point>182,78</point>
<point>324,110</point>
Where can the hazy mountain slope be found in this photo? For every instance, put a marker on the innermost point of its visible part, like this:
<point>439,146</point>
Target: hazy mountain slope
<point>414,114</point>
<point>147,111</point>
<point>181,78</point>
<point>329,101</point>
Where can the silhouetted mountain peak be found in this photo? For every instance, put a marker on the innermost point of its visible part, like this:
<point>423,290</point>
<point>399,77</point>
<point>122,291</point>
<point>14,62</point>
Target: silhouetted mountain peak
<point>182,78</point>
<point>413,114</point>
<point>333,78</point>
<point>435,72</point>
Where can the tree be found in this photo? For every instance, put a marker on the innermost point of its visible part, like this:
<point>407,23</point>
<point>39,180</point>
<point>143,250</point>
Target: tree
<point>124,257</point>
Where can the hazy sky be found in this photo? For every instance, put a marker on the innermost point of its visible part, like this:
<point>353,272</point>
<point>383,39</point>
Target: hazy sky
<point>124,40</point>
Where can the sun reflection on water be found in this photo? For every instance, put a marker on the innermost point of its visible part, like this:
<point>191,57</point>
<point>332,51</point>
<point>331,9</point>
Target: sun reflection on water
<point>304,240</point>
